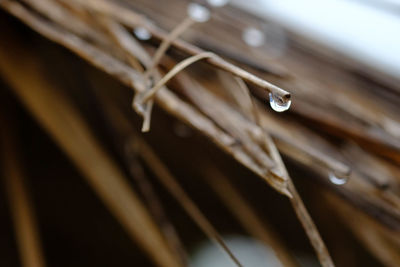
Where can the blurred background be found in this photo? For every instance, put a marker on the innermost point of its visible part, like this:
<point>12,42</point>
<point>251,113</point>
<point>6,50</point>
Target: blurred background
<point>74,194</point>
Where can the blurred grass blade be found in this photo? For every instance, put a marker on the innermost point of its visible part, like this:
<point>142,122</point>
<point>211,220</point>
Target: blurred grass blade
<point>68,129</point>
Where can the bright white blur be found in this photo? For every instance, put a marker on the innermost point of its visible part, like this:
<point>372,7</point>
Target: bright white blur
<point>362,31</point>
<point>250,253</point>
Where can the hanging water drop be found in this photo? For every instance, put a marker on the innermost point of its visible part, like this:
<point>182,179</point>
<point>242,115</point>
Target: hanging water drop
<point>253,37</point>
<point>217,3</point>
<point>338,179</point>
<point>142,33</point>
<point>198,12</point>
<point>278,103</point>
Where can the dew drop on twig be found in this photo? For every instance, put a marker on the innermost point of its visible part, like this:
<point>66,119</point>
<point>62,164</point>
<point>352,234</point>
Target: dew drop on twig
<point>278,103</point>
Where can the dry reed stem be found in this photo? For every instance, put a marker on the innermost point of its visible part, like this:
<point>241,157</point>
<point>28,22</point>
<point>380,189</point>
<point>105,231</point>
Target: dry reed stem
<point>147,95</point>
<point>23,215</point>
<point>57,13</point>
<point>64,124</point>
<point>133,19</point>
<point>291,144</point>
<point>251,107</point>
<point>129,76</point>
<point>236,152</point>
<point>239,96</point>
<point>286,139</point>
<point>372,140</point>
<point>218,112</point>
<point>296,201</point>
<point>302,213</point>
<point>381,203</point>
<point>162,49</point>
<point>133,50</point>
<point>113,30</point>
<point>299,150</point>
<point>166,99</point>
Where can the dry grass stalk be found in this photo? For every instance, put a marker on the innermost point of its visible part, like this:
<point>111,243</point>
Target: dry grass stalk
<point>296,200</point>
<point>333,98</point>
<point>146,96</point>
<point>132,19</point>
<point>218,112</point>
<point>128,76</point>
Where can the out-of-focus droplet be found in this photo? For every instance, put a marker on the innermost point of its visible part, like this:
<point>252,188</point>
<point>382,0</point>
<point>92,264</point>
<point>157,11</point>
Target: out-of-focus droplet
<point>278,103</point>
<point>198,12</point>
<point>217,3</point>
<point>338,179</point>
<point>253,37</point>
<point>142,33</point>
<point>182,130</point>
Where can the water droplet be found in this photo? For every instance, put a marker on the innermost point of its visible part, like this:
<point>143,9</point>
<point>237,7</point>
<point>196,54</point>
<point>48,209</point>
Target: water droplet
<point>278,103</point>
<point>253,37</point>
<point>142,33</point>
<point>198,12</point>
<point>338,179</point>
<point>217,3</point>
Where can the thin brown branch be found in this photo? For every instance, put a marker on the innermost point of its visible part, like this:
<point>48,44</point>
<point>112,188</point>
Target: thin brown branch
<point>218,111</point>
<point>174,34</point>
<point>128,76</point>
<point>302,213</point>
<point>173,72</point>
<point>132,19</point>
